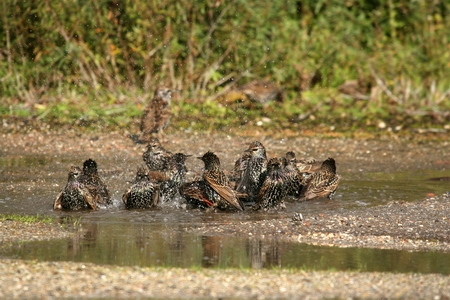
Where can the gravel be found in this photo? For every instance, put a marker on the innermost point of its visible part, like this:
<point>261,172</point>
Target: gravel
<point>44,280</point>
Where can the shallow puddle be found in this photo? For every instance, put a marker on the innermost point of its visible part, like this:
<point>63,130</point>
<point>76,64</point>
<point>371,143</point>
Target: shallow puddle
<point>129,244</point>
<point>156,237</point>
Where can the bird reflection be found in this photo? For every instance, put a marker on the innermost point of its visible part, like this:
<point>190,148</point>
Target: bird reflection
<point>211,250</point>
<point>264,253</point>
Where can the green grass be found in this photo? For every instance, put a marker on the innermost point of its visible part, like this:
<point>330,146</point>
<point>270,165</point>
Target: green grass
<point>93,67</point>
<point>26,218</point>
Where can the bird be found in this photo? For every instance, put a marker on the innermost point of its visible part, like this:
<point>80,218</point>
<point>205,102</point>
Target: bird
<point>156,115</point>
<point>273,189</point>
<point>143,193</point>
<point>155,156</point>
<point>195,194</point>
<point>217,186</point>
<point>262,91</point>
<point>308,165</point>
<point>253,170</point>
<point>294,178</point>
<point>322,183</point>
<point>177,170</point>
<point>94,182</point>
<point>75,195</point>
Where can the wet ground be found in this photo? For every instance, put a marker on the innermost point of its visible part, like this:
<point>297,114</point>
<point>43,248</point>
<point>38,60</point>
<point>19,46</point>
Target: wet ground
<point>33,169</point>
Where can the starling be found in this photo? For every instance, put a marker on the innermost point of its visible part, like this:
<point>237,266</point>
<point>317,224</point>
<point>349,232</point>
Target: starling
<point>322,183</point>
<point>75,195</point>
<point>239,167</point>
<point>94,182</point>
<point>195,194</point>
<point>217,184</point>
<point>142,194</point>
<point>156,114</point>
<point>253,170</point>
<point>176,176</point>
<point>294,178</point>
<point>156,157</point>
<point>308,166</point>
<point>273,189</point>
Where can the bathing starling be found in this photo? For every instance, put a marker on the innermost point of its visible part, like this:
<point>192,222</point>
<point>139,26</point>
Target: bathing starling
<point>195,194</point>
<point>217,184</point>
<point>142,194</point>
<point>322,183</point>
<point>156,114</point>
<point>75,195</point>
<point>156,157</point>
<point>273,189</point>
<point>176,176</point>
<point>294,178</point>
<point>254,170</point>
<point>94,182</point>
<point>239,167</point>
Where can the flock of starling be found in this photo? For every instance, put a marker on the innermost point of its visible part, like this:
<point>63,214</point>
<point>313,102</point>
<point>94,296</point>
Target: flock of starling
<point>255,183</point>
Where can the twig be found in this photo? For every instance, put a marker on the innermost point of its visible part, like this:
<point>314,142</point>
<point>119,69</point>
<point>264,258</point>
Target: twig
<point>384,87</point>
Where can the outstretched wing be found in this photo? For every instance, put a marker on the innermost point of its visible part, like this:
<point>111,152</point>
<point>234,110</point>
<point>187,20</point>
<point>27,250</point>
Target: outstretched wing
<point>219,184</point>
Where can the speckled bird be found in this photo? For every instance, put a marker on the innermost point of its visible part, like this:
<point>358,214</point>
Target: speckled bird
<point>156,157</point>
<point>195,194</point>
<point>217,184</point>
<point>143,193</point>
<point>307,167</point>
<point>254,170</point>
<point>156,115</point>
<point>322,183</point>
<point>176,177</point>
<point>75,195</point>
<point>294,178</point>
<point>94,182</point>
<point>274,188</point>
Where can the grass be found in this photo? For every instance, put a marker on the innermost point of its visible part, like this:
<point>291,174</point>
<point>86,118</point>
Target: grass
<point>93,67</point>
<point>26,218</point>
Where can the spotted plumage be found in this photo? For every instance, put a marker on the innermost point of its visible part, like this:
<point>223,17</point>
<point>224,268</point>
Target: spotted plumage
<point>156,157</point>
<point>143,193</point>
<point>294,178</point>
<point>156,115</point>
<point>322,183</point>
<point>176,177</point>
<point>217,186</point>
<point>253,170</point>
<point>94,182</point>
<point>273,189</point>
<point>75,195</point>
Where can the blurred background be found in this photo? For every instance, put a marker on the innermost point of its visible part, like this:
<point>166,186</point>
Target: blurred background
<point>272,65</point>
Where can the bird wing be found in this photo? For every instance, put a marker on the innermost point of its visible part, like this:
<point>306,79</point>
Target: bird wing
<point>57,204</point>
<point>90,198</point>
<point>126,196</point>
<point>321,186</point>
<point>224,191</point>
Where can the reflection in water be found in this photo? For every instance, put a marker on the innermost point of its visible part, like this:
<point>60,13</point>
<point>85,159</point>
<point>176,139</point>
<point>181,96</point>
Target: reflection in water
<point>130,244</point>
<point>211,250</point>
<point>263,254</point>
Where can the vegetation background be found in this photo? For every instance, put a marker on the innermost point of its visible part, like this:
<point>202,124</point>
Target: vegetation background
<point>95,64</point>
